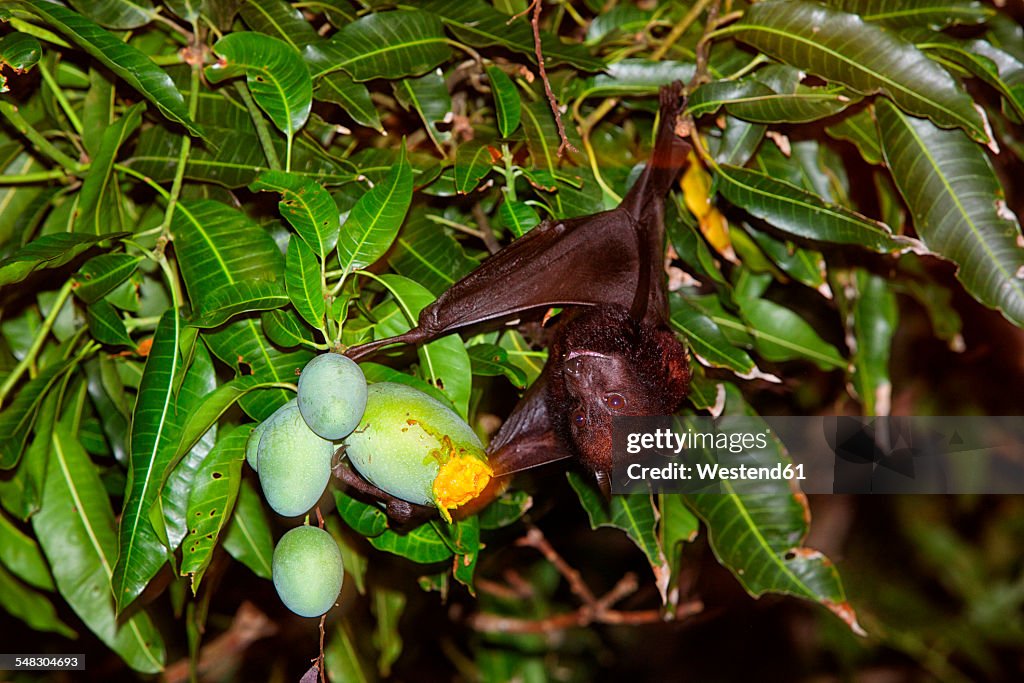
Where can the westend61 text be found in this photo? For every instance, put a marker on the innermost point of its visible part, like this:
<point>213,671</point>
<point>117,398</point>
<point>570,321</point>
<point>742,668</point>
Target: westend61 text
<point>715,472</point>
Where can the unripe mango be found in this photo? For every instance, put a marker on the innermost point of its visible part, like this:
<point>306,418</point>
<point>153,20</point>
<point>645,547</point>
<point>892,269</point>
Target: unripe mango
<point>307,571</point>
<point>253,444</point>
<point>417,449</point>
<point>294,464</point>
<point>332,395</point>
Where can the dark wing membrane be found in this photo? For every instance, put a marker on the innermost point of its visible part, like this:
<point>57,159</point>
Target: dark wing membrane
<point>526,439</point>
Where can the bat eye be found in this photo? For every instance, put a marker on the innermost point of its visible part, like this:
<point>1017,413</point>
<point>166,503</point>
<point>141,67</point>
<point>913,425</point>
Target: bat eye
<point>579,419</point>
<point>615,401</point>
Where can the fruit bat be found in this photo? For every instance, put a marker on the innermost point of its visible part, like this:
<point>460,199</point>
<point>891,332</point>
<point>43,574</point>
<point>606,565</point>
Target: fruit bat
<point>611,353</point>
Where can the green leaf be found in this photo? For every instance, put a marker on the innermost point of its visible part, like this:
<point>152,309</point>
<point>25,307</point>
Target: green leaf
<point>20,52</point>
<point>519,217</point>
<point>354,98</point>
<point>383,45</point>
<point>211,502</point>
<point>444,362</point>
<point>756,530</point>
<point>706,339</point>
<point>874,319</point>
<point>365,519</point>
<point>388,604</point>
<point>752,100</point>
<point>124,60</point>
<point>472,163</point>
<point>279,19</point>
<point>153,437</point>
<point>31,607</point>
<point>306,206</point>
<point>274,72</point>
<point>17,418</point>
<point>935,13</point>
<point>959,208</point>
<point>119,14</point>
<point>480,25</point>
<point>101,274</point>
<point>219,246</point>
<point>803,214</point>
<point>248,538</point>
<point>106,326</point>
<point>859,128</point>
<point>227,301</point>
<point>75,528</point>
<point>423,544</point>
<point>48,251</point>
<point>844,48</point>
<point>428,95</point>
<point>304,279</point>
<point>632,77</point>
<point>383,373</point>
<point>633,514</point>
<point>998,68</point>
<point>341,656</point>
<point>507,105</point>
<point>427,253</point>
<point>374,221</point>
<point>490,360</point>
<point>21,555</point>
<point>780,334</point>
<point>284,328</point>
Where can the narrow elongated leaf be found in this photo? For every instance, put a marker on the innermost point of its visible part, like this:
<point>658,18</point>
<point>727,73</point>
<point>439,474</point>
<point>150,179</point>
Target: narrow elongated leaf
<point>20,52</point>
<point>472,163</point>
<point>803,214</point>
<point>843,47</point>
<point>17,418</point>
<point>211,503</point>
<point>706,339</point>
<point>49,251</point>
<point>306,206</point>
<point>859,128</point>
<point>248,538</point>
<point>304,280</point>
<point>218,246</point>
<point>756,529</point>
<point>30,606</point>
<point>99,201</point>
<point>354,98</point>
<point>874,319</point>
<point>279,19</point>
<point>752,100</point>
<point>428,95</point>
<point>780,334</point>
<point>632,77</point>
<point>120,14</point>
<point>633,514</point>
<point>21,555</point>
<point>101,274</point>
<point>75,528</point>
<point>507,105</point>
<point>444,362</point>
<point>426,253</point>
<point>227,301</point>
<point>423,544</point>
<point>284,328</point>
<point>477,23</point>
<point>124,60</point>
<point>935,13</point>
<point>383,45</point>
<point>106,325</point>
<point>374,221</point>
<point>490,360</point>
<point>274,72</point>
<point>998,68</point>
<point>958,206</point>
<point>153,437</point>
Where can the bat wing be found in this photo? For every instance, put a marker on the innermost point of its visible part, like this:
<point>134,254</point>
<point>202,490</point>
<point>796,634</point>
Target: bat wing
<point>526,438</point>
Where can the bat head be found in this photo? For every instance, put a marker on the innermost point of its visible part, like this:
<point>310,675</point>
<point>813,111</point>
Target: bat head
<point>605,363</point>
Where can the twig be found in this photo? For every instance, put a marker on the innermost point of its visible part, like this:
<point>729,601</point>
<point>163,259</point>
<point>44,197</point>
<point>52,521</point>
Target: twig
<point>535,5</point>
<point>593,610</point>
<point>320,657</point>
<point>700,74</point>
